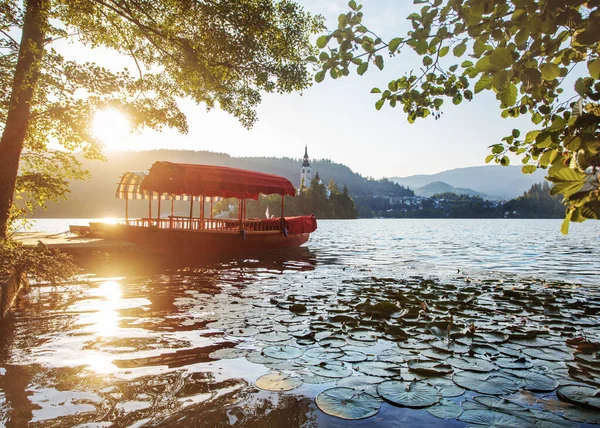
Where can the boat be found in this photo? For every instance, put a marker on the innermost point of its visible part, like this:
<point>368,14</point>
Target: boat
<point>205,236</point>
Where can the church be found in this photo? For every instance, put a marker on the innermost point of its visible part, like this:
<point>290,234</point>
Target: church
<point>306,174</point>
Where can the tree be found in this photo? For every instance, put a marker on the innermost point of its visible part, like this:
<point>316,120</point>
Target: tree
<point>216,52</point>
<point>524,51</point>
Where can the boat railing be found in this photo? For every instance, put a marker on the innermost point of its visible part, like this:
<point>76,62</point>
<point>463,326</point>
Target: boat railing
<point>186,223</point>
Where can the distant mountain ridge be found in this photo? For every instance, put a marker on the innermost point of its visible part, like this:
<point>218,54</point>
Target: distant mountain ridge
<point>437,187</point>
<point>492,180</point>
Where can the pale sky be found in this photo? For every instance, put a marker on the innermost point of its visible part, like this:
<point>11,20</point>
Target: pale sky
<point>338,120</point>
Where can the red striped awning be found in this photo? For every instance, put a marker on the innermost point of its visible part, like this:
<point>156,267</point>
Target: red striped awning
<point>211,180</point>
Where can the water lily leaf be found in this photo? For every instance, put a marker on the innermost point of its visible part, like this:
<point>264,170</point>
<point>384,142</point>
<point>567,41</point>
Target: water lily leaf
<point>353,357</point>
<point>445,409</point>
<point>228,353</point>
<point>531,381</point>
<point>485,383</point>
<point>585,396</point>
<point>332,342</point>
<point>378,368</point>
<point>493,419</point>
<point>484,349</point>
<point>446,387</point>
<point>490,337</point>
<point>391,356</point>
<point>257,357</point>
<point>284,352</point>
<point>243,332</point>
<point>514,363</point>
<point>330,369</point>
<point>409,394</point>
<point>471,363</point>
<point>535,342</point>
<point>363,335</point>
<point>450,346</point>
<point>359,382</point>
<point>580,414</point>
<point>429,368</point>
<point>347,403</point>
<point>322,354</point>
<point>436,354</point>
<point>277,381</point>
<point>550,420</point>
<point>273,337</point>
<point>500,404</point>
<point>413,344</point>
<point>548,354</point>
<point>313,379</point>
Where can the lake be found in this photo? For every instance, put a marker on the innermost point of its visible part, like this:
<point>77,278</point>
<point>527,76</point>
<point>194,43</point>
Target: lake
<point>365,305</point>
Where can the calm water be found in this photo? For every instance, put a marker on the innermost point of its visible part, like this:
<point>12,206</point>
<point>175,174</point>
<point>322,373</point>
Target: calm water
<point>132,343</point>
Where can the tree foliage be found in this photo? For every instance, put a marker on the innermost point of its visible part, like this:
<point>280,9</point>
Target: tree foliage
<point>219,53</point>
<point>539,57</point>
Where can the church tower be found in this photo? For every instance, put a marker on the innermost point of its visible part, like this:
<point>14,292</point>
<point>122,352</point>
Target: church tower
<point>305,174</point>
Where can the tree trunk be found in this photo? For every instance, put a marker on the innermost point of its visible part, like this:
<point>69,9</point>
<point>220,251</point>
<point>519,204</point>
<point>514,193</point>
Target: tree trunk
<point>27,73</point>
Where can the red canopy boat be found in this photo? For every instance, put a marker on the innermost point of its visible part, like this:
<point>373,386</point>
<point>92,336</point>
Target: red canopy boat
<point>205,235</point>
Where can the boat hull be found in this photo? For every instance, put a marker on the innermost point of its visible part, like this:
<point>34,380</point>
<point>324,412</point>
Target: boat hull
<point>205,243</point>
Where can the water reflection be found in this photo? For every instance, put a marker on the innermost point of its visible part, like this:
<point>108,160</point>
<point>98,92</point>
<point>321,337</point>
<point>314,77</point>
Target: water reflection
<point>135,350</point>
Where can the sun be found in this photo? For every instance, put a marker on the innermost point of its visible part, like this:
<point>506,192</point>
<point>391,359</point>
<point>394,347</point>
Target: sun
<point>111,127</point>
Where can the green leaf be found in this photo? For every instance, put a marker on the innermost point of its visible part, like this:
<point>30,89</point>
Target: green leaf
<point>516,133</point>
<point>459,49</point>
<point>444,51</point>
<point>594,68</point>
<point>466,64</point>
<point>530,137</point>
<point>508,96</point>
<point>529,169</point>
<point>322,41</point>
<point>361,69</point>
<point>379,104</point>
<point>478,47</point>
<point>483,64</point>
<point>379,62</point>
<point>550,71</point>
<point>352,4</point>
<point>394,43</point>
<point>320,76</point>
<point>501,58</point>
<point>564,228</point>
<point>376,91</point>
<point>427,61</point>
<point>505,161</point>
<point>489,158</point>
<point>536,118</point>
<point>483,83</point>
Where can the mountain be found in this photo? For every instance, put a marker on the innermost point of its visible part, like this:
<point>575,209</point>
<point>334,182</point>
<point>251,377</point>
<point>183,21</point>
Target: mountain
<point>436,187</point>
<point>96,197</point>
<point>494,180</point>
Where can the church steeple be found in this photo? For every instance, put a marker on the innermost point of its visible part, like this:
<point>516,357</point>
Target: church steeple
<point>306,163</point>
<point>305,174</point>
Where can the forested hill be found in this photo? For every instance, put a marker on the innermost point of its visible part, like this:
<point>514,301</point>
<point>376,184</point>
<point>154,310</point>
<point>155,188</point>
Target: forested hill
<point>95,197</point>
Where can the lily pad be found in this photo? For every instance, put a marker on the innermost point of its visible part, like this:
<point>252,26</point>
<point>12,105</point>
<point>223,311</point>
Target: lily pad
<point>347,403</point>
<point>450,346</point>
<point>331,370</point>
<point>283,352</point>
<point>429,368</point>
<point>322,354</point>
<point>579,414</point>
<point>471,363</point>
<point>409,394</point>
<point>378,368</point>
<point>277,381</point>
<point>493,419</point>
<point>228,353</point>
<point>585,396</point>
<point>514,363</point>
<point>332,342</point>
<point>531,381</point>
<point>445,409</point>
<point>485,383</point>
<point>446,387</point>
<point>550,420</point>
<point>500,404</point>
<point>548,354</point>
<point>273,337</point>
<point>353,357</point>
<point>359,382</point>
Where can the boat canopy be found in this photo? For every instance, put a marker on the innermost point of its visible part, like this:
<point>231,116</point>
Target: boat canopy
<point>211,180</point>
<point>129,187</point>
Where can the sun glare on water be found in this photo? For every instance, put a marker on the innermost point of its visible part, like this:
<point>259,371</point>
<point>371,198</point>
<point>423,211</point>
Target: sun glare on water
<point>111,127</point>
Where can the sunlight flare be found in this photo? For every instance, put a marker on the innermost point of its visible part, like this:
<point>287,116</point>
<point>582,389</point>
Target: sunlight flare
<point>111,127</point>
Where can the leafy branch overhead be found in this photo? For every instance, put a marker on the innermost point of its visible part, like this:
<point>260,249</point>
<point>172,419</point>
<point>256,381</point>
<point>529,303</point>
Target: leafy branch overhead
<point>540,58</point>
<point>217,53</point>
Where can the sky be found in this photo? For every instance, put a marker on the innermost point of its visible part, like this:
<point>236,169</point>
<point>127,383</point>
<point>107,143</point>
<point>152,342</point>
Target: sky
<point>337,119</point>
